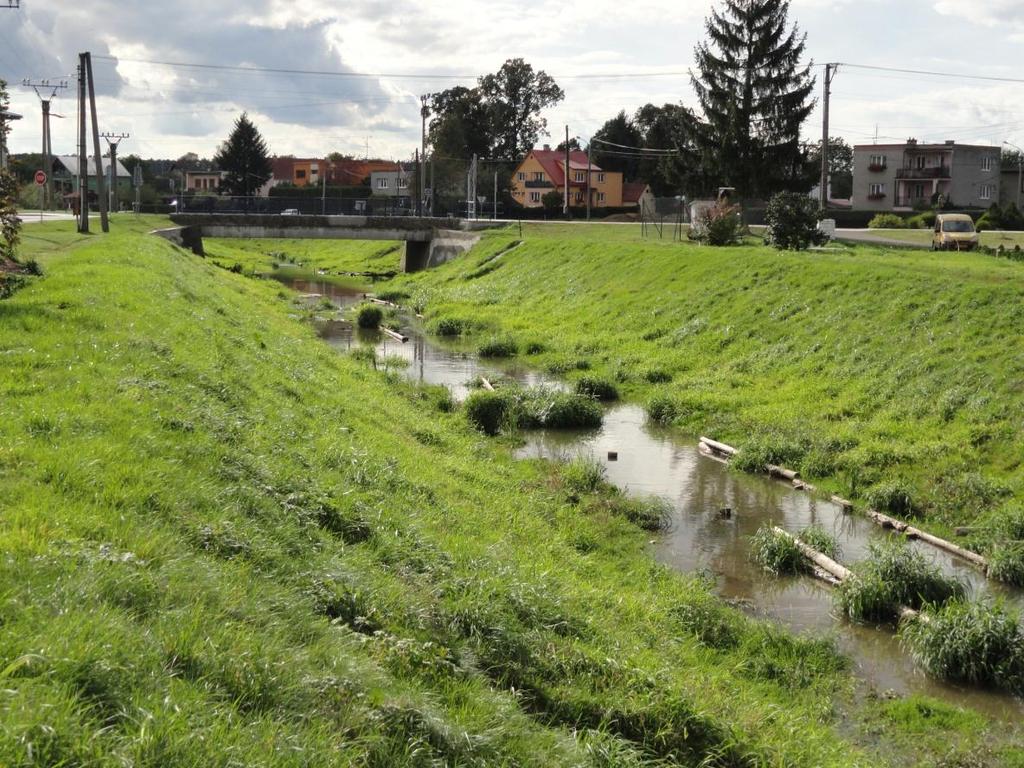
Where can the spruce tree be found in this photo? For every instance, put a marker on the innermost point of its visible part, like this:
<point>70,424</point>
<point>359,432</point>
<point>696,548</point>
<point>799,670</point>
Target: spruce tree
<point>10,224</point>
<point>755,94</point>
<point>244,159</point>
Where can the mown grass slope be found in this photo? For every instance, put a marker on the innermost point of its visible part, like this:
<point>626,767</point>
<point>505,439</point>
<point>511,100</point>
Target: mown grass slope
<point>888,375</point>
<point>225,544</point>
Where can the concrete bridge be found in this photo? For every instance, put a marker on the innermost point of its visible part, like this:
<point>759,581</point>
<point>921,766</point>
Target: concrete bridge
<point>428,241</point>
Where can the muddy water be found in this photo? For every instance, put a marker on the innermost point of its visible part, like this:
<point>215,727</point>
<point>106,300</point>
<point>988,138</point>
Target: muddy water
<point>663,462</point>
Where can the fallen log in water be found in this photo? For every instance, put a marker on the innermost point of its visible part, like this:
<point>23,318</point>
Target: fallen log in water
<point>486,384</point>
<point>709,452</point>
<point>785,474</point>
<point>834,573</point>
<point>394,334</point>
<point>846,505</point>
<point>916,533</point>
<point>714,445</point>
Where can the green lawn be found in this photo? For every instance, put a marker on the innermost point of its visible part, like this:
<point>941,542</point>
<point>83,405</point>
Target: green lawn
<point>226,544</point>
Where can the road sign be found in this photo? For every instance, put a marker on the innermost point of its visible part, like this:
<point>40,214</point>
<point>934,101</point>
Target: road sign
<point>40,178</point>
<point>137,176</point>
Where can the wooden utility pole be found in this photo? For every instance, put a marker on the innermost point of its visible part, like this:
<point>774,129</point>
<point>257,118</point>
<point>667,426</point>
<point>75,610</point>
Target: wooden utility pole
<point>113,139</point>
<point>589,166</point>
<point>101,191</point>
<point>83,157</point>
<point>830,71</point>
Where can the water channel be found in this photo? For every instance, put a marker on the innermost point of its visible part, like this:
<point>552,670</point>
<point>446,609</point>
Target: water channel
<point>661,461</point>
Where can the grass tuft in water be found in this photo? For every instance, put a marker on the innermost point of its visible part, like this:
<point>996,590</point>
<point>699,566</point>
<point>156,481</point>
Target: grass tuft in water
<point>498,348</point>
<point>583,474</point>
<point>1006,562</point>
<point>974,642</point>
<point>776,552</point>
<point>818,538</point>
<point>893,576</point>
<point>369,316</point>
<point>597,388</point>
<point>662,409</point>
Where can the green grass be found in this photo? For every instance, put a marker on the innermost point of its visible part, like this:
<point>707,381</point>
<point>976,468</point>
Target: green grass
<point>862,367</point>
<point>923,237</point>
<point>300,258</point>
<point>225,543</point>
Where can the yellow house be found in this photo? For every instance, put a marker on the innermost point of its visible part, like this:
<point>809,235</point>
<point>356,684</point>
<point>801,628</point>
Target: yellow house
<point>543,171</point>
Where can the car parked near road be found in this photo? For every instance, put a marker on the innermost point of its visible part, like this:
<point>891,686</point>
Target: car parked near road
<point>954,232</point>
<point>290,212</point>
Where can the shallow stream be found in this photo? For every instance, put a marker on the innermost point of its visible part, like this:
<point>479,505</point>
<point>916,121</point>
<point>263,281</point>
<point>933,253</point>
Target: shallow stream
<point>660,461</point>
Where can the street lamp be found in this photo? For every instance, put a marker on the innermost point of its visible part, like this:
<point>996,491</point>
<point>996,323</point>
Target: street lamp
<point>1020,169</point>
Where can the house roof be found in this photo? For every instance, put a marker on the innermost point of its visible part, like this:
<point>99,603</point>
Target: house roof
<point>70,162</point>
<point>921,145</point>
<point>553,163</point>
<point>632,191</point>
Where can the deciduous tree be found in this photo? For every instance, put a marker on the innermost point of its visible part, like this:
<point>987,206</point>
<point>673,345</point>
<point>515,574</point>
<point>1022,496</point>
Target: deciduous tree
<point>515,96</point>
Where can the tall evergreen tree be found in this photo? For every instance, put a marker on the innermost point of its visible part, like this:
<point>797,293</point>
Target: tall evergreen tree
<point>10,224</point>
<point>755,94</point>
<point>244,159</point>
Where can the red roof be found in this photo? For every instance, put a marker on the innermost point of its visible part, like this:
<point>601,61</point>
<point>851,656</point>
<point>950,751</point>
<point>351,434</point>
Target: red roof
<point>632,191</point>
<point>553,163</point>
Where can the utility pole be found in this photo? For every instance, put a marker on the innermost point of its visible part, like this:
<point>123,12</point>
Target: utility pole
<point>101,192</point>
<point>47,145</point>
<point>565,203</point>
<point>494,209</point>
<point>430,203</point>
<point>830,71</point>
<point>590,147</point>
<point>83,159</point>
<point>419,173</point>
<point>422,165</point>
<point>113,139</point>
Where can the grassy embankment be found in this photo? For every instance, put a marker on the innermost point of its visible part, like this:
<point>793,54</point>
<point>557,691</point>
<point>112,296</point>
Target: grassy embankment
<point>224,544</point>
<point>890,376</point>
<point>923,237</point>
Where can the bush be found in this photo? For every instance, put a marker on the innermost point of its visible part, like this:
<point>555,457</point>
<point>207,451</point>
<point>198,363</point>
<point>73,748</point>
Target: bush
<point>818,538</point>
<point>887,221</point>
<point>584,474</point>
<point>776,552</point>
<point>894,575</point>
<point>895,496</point>
<point>718,224</point>
<point>369,316</point>
<point>450,326</point>
<point>978,643</point>
<point>1006,563</point>
<point>755,455</point>
<point>535,348</point>
<point>544,407</point>
<point>498,348</point>
<point>662,409</point>
<point>599,389</point>
<point>792,221</point>
<point>657,376</point>
<point>487,411</point>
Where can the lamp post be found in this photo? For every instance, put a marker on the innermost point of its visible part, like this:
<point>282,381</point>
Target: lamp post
<point>1020,169</point>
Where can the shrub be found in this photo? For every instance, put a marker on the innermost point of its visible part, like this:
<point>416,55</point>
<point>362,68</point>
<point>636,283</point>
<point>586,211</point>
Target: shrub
<point>976,642</point>
<point>535,348</point>
<point>895,496</point>
<point>450,326</point>
<point>887,221</point>
<point>1006,563</point>
<point>561,410</point>
<point>584,474</point>
<point>818,538</point>
<point>393,295</point>
<point>662,409</point>
<point>369,316</point>
<point>599,389</point>
<point>657,376</point>
<point>776,552</point>
<point>498,348</point>
<point>718,225</point>
<point>487,411</point>
<point>756,454</point>
<point>651,513</point>
<point>894,575</point>
<point>792,221</point>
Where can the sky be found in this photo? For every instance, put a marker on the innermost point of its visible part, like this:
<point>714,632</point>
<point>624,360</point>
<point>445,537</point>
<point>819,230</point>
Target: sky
<point>607,55</point>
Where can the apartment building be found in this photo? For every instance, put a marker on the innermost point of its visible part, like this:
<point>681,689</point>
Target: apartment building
<point>543,171</point>
<point>902,177</point>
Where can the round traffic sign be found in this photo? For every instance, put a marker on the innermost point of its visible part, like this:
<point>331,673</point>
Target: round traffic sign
<point>40,177</point>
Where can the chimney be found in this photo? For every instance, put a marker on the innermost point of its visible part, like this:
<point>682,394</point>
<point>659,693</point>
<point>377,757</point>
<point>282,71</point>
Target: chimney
<point>950,142</point>
<point>547,147</point>
<point>911,141</point>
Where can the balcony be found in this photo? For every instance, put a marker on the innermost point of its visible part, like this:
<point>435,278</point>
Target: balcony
<point>876,196</point>
<point>941,172</point>
<point>538,184</point>
<point>877,167</point>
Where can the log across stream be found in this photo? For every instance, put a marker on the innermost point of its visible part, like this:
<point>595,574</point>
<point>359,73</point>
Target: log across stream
<point>666,462</point>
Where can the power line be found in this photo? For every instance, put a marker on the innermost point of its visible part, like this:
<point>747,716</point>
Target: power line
<point>930,73</point>
<point>627,146</point>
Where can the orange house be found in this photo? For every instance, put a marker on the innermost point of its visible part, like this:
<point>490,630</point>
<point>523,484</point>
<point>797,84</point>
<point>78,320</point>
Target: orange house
<point>543,171</point>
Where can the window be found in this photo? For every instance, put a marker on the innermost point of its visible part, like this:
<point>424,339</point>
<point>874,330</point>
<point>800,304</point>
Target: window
<point>535,197</point>
<point>382,183</point>
<point>985,191</point>
<point>538,175</point>
<point>300,174</point>
<point>877,161</point>
<point>403,182</point>
<point>986,163</point>
<point>581,176</point>
<point>521,176</point>
<point>876,191</point>
<point>919,191</point>
<point>600,178</point>
<point>919,161</point>
<point>579,197</point>
<point>600,197</point>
